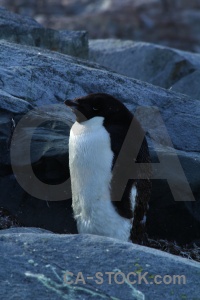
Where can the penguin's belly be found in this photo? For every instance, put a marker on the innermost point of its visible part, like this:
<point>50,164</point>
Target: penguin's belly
<point>90,161</point>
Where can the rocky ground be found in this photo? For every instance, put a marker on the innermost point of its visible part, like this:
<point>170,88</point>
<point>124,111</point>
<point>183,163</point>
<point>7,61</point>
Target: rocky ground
<point>34,129</point>
<point>40,264</point>
<point>172,23</point>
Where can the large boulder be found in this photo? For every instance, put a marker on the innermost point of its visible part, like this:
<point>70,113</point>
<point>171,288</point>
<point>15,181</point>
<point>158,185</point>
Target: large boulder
<point>162,66</point>
<point>26,31</point>
<point>34,85</point>
<point>42,265</point>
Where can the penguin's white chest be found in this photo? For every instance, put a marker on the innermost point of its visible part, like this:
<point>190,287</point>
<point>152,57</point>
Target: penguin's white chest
<point>90,162</point>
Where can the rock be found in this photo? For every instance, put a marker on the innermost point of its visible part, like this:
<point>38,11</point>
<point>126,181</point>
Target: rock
<point>7,220</point>
<point>167,218</point>
<point>158,65</point>
<point>188,85</point>
<point>31,211</point>
<point>26,31</point>
<point>167,22</point>
<point>34,84</point>
<point>37,264</point>
<point>48,165</point>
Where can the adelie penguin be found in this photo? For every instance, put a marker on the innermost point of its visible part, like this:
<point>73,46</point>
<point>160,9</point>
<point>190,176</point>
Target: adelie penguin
<point>106,142</point>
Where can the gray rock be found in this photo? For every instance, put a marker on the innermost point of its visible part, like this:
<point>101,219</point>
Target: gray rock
<point>38,81</point>
<point>34,264</point>
<point>158,65</point>
<point>188,85</point>
<point>26,31</point>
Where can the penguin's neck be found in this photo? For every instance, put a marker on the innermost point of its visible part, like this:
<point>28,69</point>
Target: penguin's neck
<point>90,160</point>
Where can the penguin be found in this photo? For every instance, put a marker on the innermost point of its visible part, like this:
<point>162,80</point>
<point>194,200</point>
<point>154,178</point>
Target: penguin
<point>95,143</point>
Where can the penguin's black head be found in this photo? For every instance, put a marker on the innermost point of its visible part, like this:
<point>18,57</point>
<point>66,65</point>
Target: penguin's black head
<point>94,105</point>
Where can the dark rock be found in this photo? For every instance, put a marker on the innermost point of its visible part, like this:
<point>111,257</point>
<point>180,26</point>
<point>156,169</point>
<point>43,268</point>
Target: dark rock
<point>26,31</point>
<point>30,211</point>
<point>49,162</point>
<point>170,219</point>
<point>36,263</point>
<point>7,220</point>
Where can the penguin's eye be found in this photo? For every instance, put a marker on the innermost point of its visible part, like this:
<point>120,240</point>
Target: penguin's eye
<point>95,108</point>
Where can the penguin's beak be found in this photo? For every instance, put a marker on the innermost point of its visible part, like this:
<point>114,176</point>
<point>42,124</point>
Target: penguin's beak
<point>71,103</point>
<point>76,109</point>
